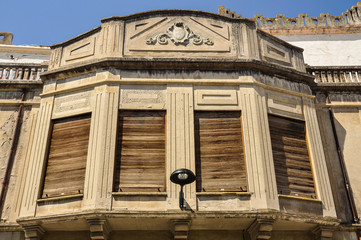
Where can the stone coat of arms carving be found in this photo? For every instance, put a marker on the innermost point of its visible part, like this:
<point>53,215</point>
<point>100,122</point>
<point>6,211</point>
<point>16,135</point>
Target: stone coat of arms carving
<point>179,34</point>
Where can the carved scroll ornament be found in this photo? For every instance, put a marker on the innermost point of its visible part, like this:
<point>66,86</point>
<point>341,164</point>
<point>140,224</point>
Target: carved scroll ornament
<point>179,34</point>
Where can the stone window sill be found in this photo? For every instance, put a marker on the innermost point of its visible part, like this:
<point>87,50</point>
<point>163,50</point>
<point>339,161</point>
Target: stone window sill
<point>139,194</point>
<point>223,193</point>
<point>299,198</point>
<point>59,198</point>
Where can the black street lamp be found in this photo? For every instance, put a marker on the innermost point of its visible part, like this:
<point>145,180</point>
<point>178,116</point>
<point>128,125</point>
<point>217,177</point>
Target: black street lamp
<point>182,177</point>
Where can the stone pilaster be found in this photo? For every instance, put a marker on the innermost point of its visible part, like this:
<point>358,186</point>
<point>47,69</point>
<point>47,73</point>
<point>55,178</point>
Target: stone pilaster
<point>101,150</point>
<point>37,158</point>
<point>180,229</point>
<point>33,232</point>
<point>260,229</point>
<point>99,229</point>
<point>318,161</point>
<point>323,233</point>
<point>180,141</point>
<point>258,150</point>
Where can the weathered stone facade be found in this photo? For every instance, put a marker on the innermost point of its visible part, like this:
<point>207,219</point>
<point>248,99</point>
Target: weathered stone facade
<point>181,63</point>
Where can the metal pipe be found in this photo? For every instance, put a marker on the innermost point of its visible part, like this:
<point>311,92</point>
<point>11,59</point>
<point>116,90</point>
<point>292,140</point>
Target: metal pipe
<point>343,168</point>
<point>11,158</point>
<point>181,198</point>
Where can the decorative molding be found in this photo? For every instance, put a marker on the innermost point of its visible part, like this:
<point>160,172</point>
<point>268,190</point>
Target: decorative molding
<point>179,34</point>
<point>139,27</point>
<point>72,103</point>
<point>275,53</point>
<point>216,97</point>
<point>142,97</point>
<point>82,49</point>
<point>288,106</point>
<point>219,28</point>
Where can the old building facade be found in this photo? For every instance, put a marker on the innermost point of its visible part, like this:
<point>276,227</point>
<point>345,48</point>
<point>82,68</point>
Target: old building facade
<point>88,150</point>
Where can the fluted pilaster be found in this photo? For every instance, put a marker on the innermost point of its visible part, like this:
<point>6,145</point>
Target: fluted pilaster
<point>180,140</point>
<point>101,150</point>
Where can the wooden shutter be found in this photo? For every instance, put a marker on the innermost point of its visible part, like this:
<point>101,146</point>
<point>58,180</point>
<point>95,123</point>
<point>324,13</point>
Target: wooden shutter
<point>291,159</point>
<point>65,171</point>
<point>140,158</point>
<point>220,164</point>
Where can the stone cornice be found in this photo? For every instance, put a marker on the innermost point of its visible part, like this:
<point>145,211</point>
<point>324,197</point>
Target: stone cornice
<point>337,87</point>
<point>264,214</point>
<point>21,84</point>
<point>177,12</point>
<point>179,64</point>
<point>314,31</point>
<point>25,49</point>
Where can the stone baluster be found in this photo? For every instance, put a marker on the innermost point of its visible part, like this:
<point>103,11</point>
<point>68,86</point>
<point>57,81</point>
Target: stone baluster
<point>12,74</point>
<point>6,74</point>
<point>38,74</point>
<point>26,74</point>
<point>20,73</point>
<point>329,76</point>
<point>336,76</point>
<point>32,72</point>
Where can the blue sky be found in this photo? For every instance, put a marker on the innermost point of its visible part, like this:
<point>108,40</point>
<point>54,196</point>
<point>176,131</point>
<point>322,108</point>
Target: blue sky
<point>46,22</point>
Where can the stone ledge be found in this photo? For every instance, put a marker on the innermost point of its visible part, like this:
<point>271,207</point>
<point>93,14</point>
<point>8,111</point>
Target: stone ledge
<point>59,198</point>
<point>119,194</point>
<point>224,194</point>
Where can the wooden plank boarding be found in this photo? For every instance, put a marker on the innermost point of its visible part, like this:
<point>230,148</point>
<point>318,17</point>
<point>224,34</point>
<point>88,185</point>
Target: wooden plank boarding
<point>291,158</point>
<point>65,171</point>
<point>220,164</point>
<point>140,157</point>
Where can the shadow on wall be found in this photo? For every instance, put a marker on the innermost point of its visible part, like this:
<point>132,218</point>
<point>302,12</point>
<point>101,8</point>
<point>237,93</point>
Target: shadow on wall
<point>347,121</point>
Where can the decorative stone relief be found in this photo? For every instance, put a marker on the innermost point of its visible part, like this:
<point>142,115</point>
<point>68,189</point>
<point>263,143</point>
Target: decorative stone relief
<point>179,34</point>
<point>55,58</point>
<point>78,50</point>
<point>271,52</point>
<point>285,105</point>
<point>139,97</point>
<point>216,98</point>
<point>71,103</point>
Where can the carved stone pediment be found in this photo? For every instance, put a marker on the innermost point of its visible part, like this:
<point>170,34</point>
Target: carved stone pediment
<point>194,36</point>
<point>179,34</point>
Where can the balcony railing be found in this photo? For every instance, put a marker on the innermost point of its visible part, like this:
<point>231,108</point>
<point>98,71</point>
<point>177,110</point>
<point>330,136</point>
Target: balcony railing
<point>336,75</point>
<point>31,73</point>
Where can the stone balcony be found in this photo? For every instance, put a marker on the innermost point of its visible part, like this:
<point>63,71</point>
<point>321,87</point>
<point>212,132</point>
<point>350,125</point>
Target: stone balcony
<point>21,72</point>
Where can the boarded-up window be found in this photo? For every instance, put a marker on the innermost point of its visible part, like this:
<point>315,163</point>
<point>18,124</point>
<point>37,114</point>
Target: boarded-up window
<point>220,164</point>
<point>290,156</point>
<point>65,171</point>
<point>140,158</point>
